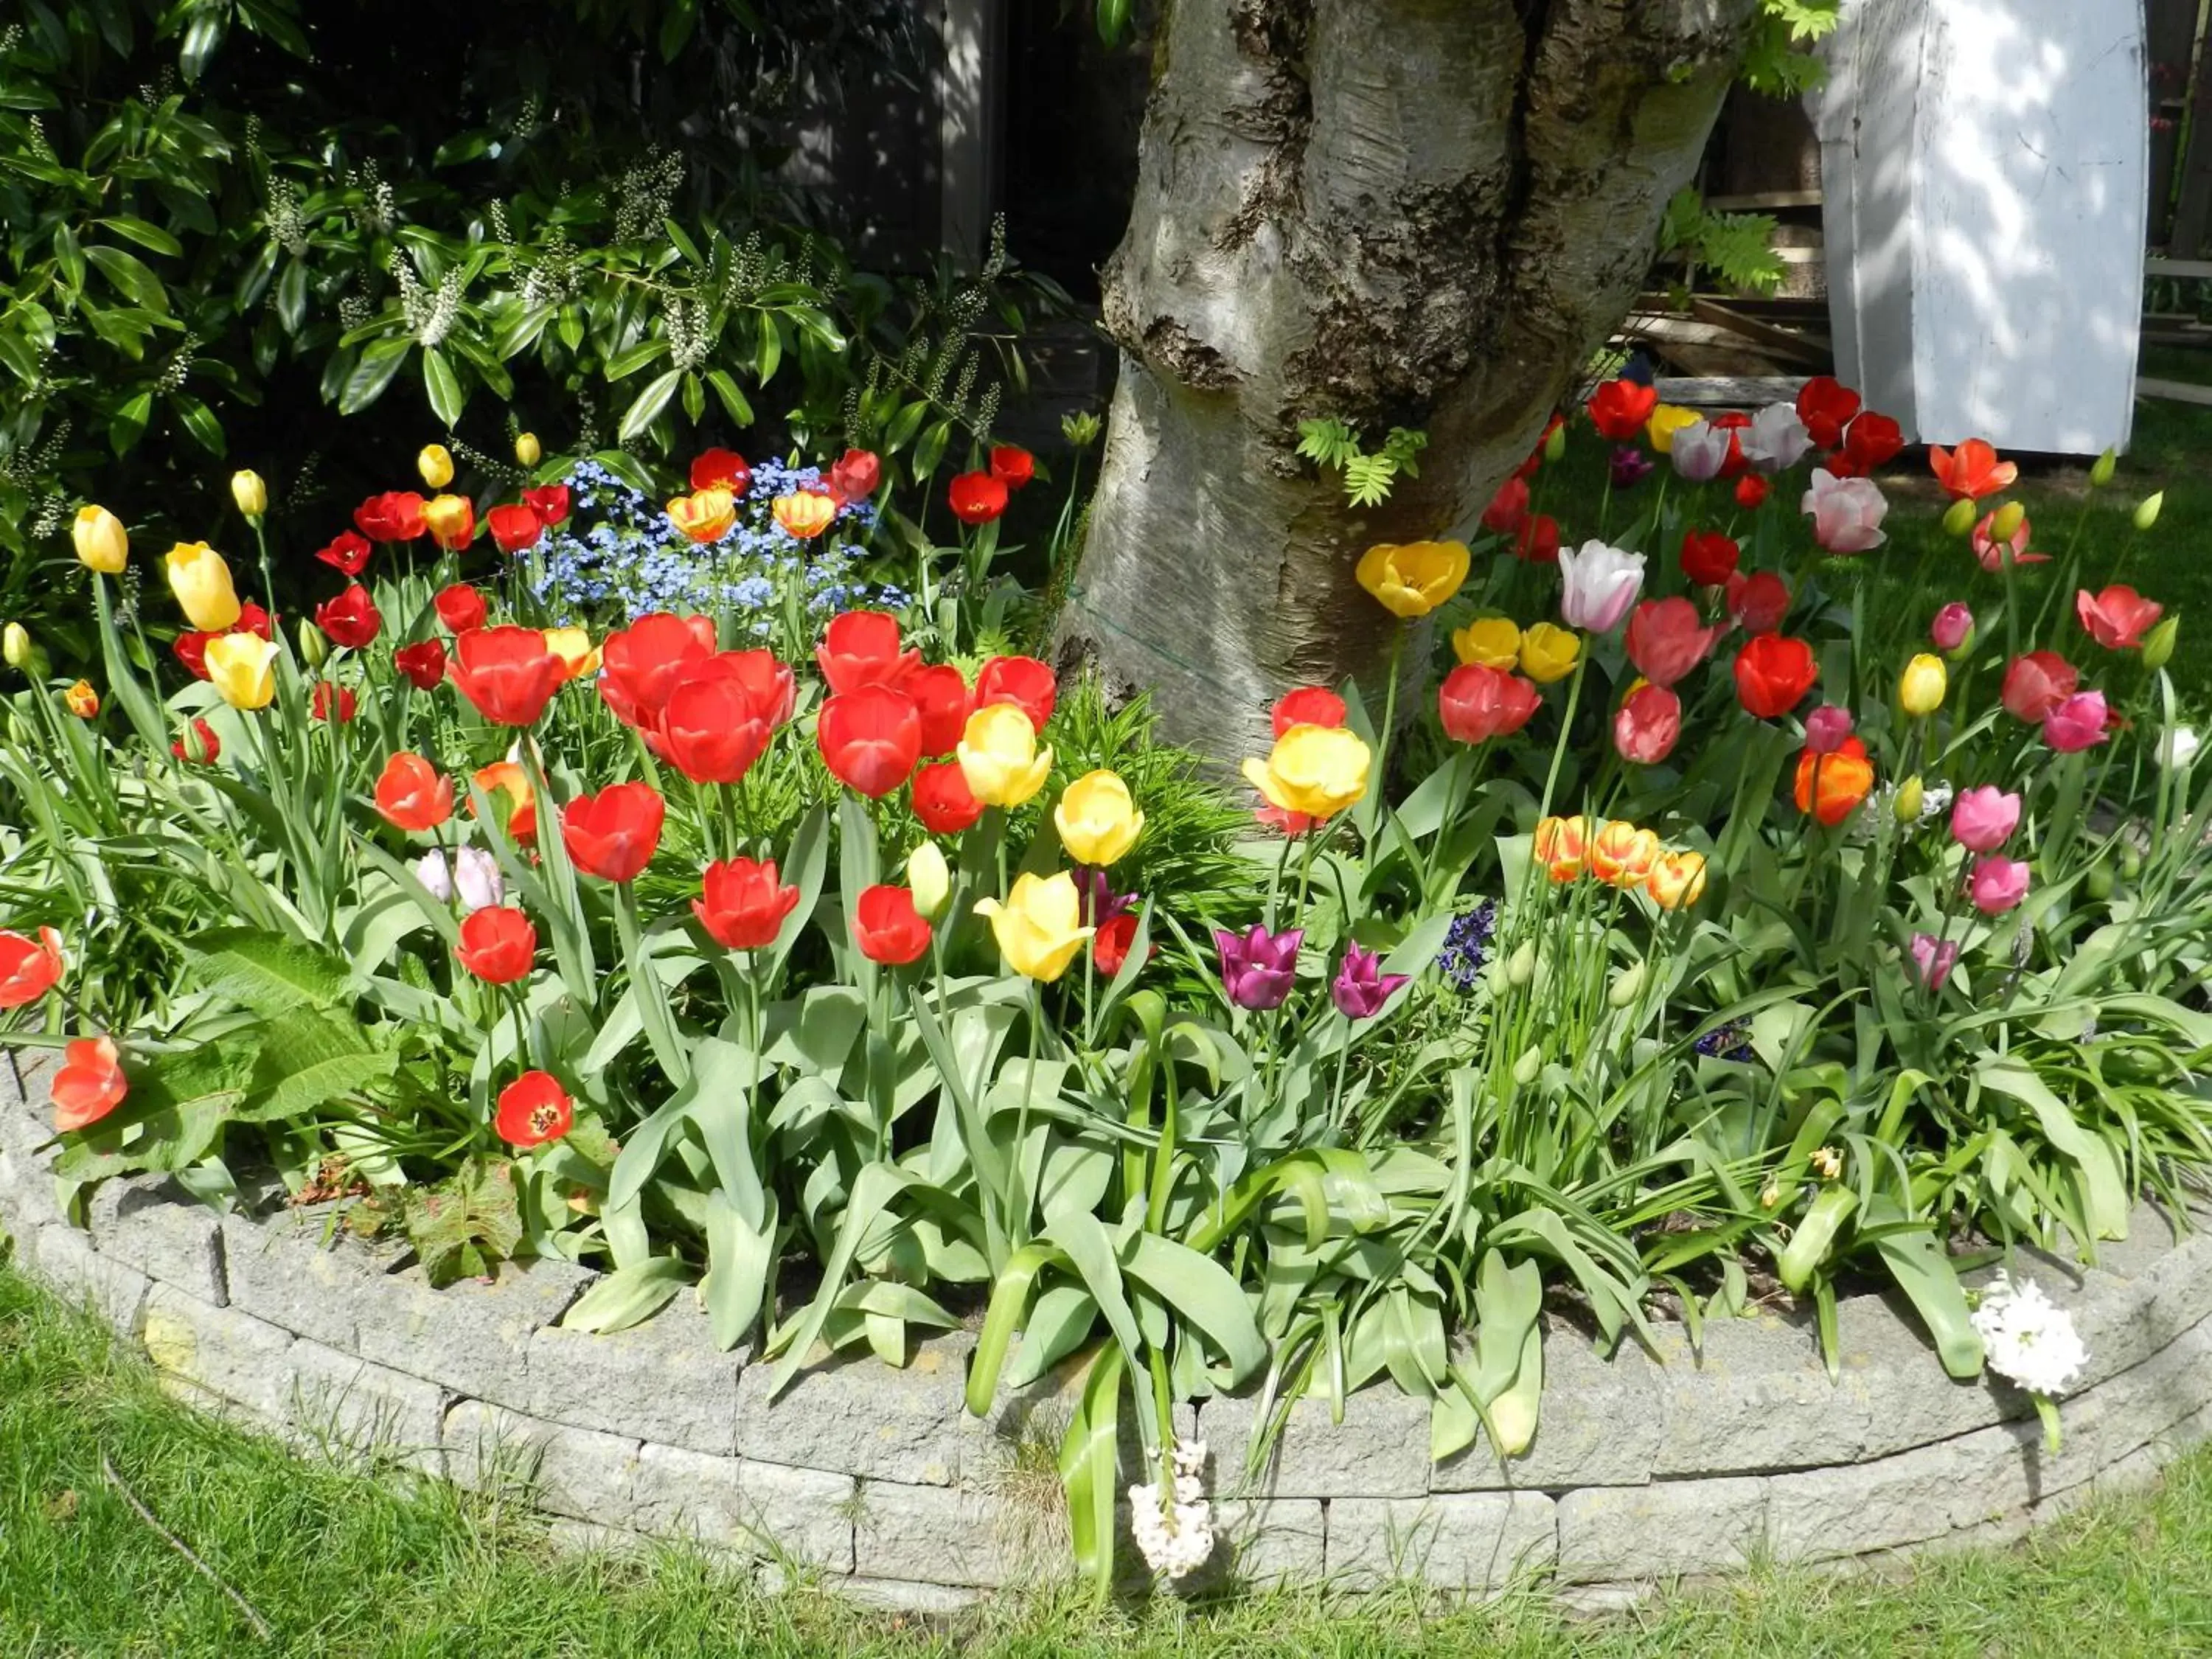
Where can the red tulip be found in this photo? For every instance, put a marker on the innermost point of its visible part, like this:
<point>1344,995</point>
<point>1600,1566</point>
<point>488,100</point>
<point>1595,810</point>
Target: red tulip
<point>411,794</point>
<point>1022,681</point>
<point>641,665</point>
<point>330,698</point>
<point>612,834</point>
<point>1509,508</point>
<point>348,553</point>
<point>862,647</point>
<point>89,1084</point>
<point>515,528</point>
<point>1666,640</point>
<point>1649,725</point>
<point>507,673</point>
<point>351,619</point>
<point>1109,946</point>
<point>1709,558</point>
<point>1872,441</point>
<point>887,928</point>
<point>1758,602</point>
<point>549,502</point>
<point>1477,703</point>
<point>1012,465</point>
<point>191,647</point>
<point>1831,787</point>
<point>1773,674</point>
<point>2037,683</point>
<point>1309,705</point>
<point>28,968</point>
<point>394,516</point>
<point>2116,617</point>
<point>1750,492</point>
<point>767,681</point>
<point>497,944</point>
<point>943,801</point>
<point>742,904</point>
<point>711,729</point>
<point>1618,409</point>
<point>870,738</point>
<point>1826,405</point>
<point>423,664</point>
<point>855,476</point>
<point>1538,540</point>
<point>199,746</point>
<point>976,497</point>
<point>943,700</point>
<point>460,607</point>
<point>721,469</point>
<point>533,1110</point>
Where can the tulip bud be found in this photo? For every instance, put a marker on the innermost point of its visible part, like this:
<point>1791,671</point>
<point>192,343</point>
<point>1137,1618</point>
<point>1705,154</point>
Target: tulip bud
<point>1920,689</point>
<point>15,645</point>
<point>928,880</point>
<point>2005,522</point>
<point>2158,644</point>
<point>435,466</point>
<point>1910,794</point>
<point>526,450</point>
<point>101,544</point>
<point>1530,1063</point>
<point>249,492</point>
<point>2146,510</point>
<point>1555,442</point>
<point>2099,882</point>
<point>314,646</point>
<point>2131,863</point>
<point>1627,987</point>
<point>1958,518</point>
<point>1080,428</point>
<point>2101,470</point>
<point>1523,967</point>
<point>84,701</point>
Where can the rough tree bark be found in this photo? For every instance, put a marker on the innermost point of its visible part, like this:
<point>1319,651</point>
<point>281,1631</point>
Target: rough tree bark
<point>1421,213</point>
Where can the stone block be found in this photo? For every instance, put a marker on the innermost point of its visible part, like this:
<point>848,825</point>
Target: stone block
<point>151,1224</point>
<point>220,1352</point>
<point>1601,1425</point>
<point>1474,1543</point>
<point>577,1472</point>
<point>944,1535</point>
<point>1381,1449</point>
<point>1266,1541</point>
<point>1754,1395</point>
<point>1888,1359</point>
<point>796,1516</point>
<point>469,1338</point>
<point>1667,1528</point>
<point>1910,1498</point>
<point>664,1381</point>
<point>897,1595</point>
<point>357,1410</point>
<point>298,1270</point>
<point>27,1200</point>
<point>62,1256</point>
<point>859,1417</point>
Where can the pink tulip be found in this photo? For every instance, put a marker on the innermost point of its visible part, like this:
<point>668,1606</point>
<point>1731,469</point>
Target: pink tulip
<point>1997,885</point>
<point>1983,820</point>
<point>1825,728</point>
<point>1666,640</point>
<point>1934,959</point>
<point>1992,552</point>
<point>1952,627</point>
<point>1847,513</point>
<point>2078,723</point>
<point>1648,725</point>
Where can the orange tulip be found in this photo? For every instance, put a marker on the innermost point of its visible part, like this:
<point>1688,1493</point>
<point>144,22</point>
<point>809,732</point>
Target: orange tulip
<point>84,701</point>
<point>1842,780</point>
<point>1972,471</point>
<point>1562,846</point>
<point>806,513</point>
<point>1622,855</point>
<point>1676,879</point>
<point>705,515</point>
<point>505,776</point>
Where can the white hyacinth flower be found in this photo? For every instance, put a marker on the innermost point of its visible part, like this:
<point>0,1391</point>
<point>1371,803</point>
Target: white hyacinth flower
<point>1936,800</point>
<point>1174,1532</point>
<point>2029,1338</point>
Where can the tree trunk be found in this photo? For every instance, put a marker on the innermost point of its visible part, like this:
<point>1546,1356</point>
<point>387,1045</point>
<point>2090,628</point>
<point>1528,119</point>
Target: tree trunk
<point>1418,213</point>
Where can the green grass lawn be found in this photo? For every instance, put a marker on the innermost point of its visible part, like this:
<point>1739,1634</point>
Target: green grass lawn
<point>343,1564</point>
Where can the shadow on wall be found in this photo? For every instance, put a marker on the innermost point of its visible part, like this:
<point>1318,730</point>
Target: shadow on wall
<point>1986,165</point>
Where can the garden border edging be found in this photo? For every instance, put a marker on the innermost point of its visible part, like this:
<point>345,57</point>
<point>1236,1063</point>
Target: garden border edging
<point>878,1480</point>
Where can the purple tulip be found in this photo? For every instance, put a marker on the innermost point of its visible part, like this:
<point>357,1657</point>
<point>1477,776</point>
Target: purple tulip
<point>1257,967</point>
<point>1361,988</point>
<point>1630,466</point>
<point>1100,903</point>
<point>1826,727</point>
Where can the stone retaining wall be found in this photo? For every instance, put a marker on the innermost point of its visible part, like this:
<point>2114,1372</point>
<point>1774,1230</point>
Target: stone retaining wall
<point>1642,1470</point>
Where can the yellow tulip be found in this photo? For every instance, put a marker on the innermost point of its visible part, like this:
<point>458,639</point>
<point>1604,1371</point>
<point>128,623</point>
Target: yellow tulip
<point>1038,927</point>
<point>249,493</point>
<point>1413,580</point>
<point>1911,794</point>
<point>1549,654</point>
<point>1318,770</point>
<point>1666,421</point>
<point>1493,641</point>
<point>451,521</point>
<point>1098,822</point>
<point>84,701</point>
<point>998,757</point>
<point>580,657</point>
<point>15,645</point>
<point>435,466</point>
<point>704,516</point>
<point>526,450</point>
<point>1920,689</point>
<point>929,881</point>
<point>201,582</point>
<point>101,544</point>
<point>242,668</point>
<point>1676,879</point>
<point>806,513</point>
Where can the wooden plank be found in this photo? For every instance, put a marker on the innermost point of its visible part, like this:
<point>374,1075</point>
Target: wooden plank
<point>1728,391</point>
<point>2173,391</point>
<point>2157,266</point>
<point>2192,212</point>
<point>1763,201</point>
<point>1789,344</point>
